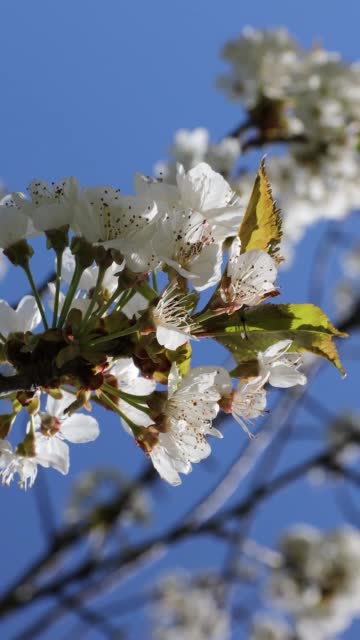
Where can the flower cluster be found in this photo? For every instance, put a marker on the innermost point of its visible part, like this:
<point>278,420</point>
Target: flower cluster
<point>190,609</point>
<point>318,583</point>
<point>124,308</point>
<point>307,99</point>
<point>268,628</point>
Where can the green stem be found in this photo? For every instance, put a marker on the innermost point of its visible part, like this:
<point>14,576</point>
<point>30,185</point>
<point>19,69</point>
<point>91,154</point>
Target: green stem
<point>59,256</point>
<point>97,288</point>
<point>122,415</point>
<point>135,401</point>
<point>100,312</point>
<point>205,315</point>
<point>27,270</point>
<point>32,425</point>
<point>154,281</point>
<point>70,294</point>
<point>113,336</point>
<point>125,298</point>
<point>147,291</point>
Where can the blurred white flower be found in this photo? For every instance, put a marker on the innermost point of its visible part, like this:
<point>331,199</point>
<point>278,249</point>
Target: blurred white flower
<point>346,426</point>
<point>319,582</point>
<point>263,63</point>
<point>189,609</point>
<point>192,147</point>
<point>265,627</point>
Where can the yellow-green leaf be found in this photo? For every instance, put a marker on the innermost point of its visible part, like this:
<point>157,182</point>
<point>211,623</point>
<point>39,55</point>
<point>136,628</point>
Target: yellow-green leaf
<point>245,333</point>
<point>261,225</point>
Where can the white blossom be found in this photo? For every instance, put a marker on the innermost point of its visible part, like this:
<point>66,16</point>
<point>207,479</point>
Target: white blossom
<point>172,322</point>
<point>53,427</point>
<point>24,318</point>
<point>187,419</point>
<point>309,192</point>
<point>184,242</point>
<point>267,628</point>
<point>192,147</point>
<point>189,610</point>
<point>196,215</point>
<point>279,367</point>
<point>319,581</point>
<point>14,224</point>
<point>52,205</point>
<point>248,402</point>
<point>263,64</point>
<point>89,276</point>
<point>124,223</point>
<point>205,191</point>
<point>12,464</point>
<point>130,381</point>
<point>251,277</point>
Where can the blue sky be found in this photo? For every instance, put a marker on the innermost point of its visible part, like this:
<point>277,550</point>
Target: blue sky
<point>96,90</point>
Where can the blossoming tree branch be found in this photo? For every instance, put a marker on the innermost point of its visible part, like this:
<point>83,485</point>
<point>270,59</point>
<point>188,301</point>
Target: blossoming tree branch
<point>126,310</point>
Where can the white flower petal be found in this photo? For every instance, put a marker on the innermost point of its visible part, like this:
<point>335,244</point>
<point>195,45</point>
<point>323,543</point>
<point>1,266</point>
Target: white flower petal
<point>282,375</point>
<point>52,452</point>
<point>171,337</point>
<point>164,466</point>
<point>79,428</point>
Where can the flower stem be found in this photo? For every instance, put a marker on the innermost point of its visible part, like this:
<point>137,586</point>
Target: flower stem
<point>125,298</point>
<point>97,288</point>
<point>70,294</point>
<point>101,310</point>
<point>113,336</point>
<point>59,256</point>
<point>147,291</point>
<point>202,316</point>
<point>27,270</point>
<point>115,408</point>
<point>154,281</point>
<point>133,400</point>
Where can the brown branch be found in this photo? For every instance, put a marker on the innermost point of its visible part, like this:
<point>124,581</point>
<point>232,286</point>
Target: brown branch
<point>99,569</point>
<point>107,514</point>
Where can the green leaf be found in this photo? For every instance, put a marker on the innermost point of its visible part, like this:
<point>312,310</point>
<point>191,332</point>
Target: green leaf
<point>245,333</point>
<point>261,225</point>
